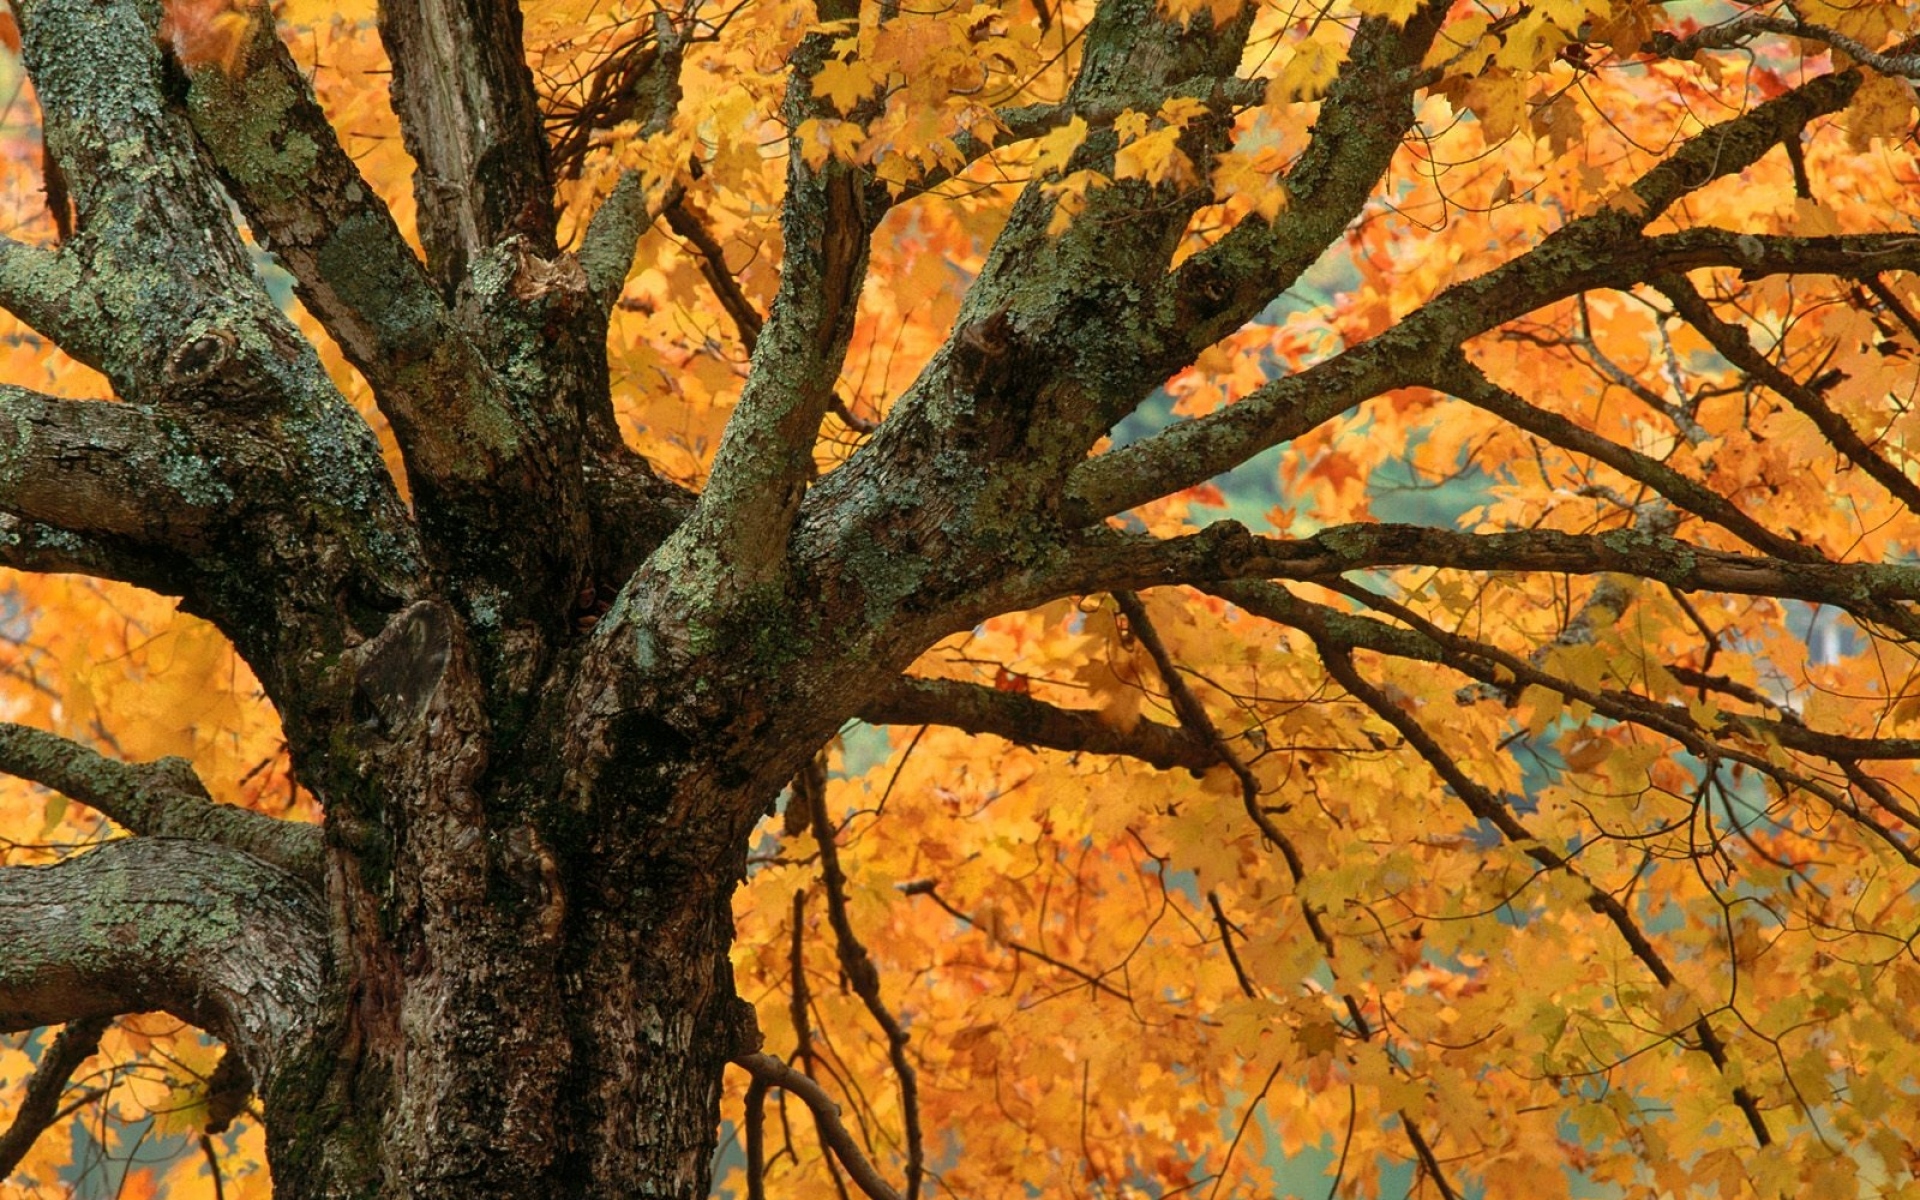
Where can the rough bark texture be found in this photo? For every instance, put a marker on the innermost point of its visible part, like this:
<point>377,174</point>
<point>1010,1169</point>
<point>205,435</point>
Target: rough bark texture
<point>502,967</point>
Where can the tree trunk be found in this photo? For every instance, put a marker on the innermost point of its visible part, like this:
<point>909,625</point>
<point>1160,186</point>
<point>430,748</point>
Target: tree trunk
<point>533,992</point>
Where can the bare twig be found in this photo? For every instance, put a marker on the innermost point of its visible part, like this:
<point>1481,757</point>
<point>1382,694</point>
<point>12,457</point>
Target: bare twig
<point>925,887</point>
<point>1193,715</point>
<point>41,1105</point>
<point>810,786</point>
<point>767,1069</point>
<point>1226,939</point>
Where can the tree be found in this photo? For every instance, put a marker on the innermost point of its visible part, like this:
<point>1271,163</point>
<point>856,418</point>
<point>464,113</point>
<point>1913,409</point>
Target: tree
<point>739,380</point>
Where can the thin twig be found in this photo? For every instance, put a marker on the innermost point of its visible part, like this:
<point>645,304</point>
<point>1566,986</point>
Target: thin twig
<point>1226,940</point>
<point>774,1073</point>
<point>801,999</point>
<point>1193,716</point>
<point>926,887</point>
<point>41,1105</point>
<point>810,786</point>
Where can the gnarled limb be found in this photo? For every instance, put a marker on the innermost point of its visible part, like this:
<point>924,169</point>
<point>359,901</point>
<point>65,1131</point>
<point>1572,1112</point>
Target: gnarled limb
<point>606,250</point>
<point>143,200</point>
<point>109,471</point>
<point>308,203</point>
<point>157,799</point>
<point>1021,718</point>
<point>211,935</point>
<point>471,119</point>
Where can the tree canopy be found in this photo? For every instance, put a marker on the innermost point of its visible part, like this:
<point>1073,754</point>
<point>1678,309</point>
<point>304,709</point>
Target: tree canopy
<point>1309,598</point>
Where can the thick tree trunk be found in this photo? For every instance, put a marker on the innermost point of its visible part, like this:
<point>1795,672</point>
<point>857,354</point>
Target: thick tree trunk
<point>533,994</point>
<point>469,1075</point>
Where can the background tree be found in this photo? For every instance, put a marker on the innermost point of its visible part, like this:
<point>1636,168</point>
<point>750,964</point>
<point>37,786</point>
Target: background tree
<point>753,408</point>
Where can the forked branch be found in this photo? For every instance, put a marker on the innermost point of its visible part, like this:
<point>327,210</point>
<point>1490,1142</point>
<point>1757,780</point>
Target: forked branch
<point>770,1071</point>
<point>157,799</point>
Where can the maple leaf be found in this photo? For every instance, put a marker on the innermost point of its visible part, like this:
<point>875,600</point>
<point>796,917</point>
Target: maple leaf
<point>844,83</point>
<point>1055,149</point>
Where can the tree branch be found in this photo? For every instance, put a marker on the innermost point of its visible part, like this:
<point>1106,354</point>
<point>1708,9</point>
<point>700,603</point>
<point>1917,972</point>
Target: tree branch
<point>307,201</point>
<point>1466,381</point>
<point>614,232</point>
<point>765,458</point>
<point>1482,803</point>
<point>1504,673</point>
<point>142,200</point>
<point>1736,346</point>
<point>1022,719</point>
<point>40,1107</point>
<point>774,1073</point>
<point>471,120</point>
<point>112,471</point>
<point>213,936</point>
<point>1366,112</point>
<point>810,788</point>
<point>1225,550</point>
<point>1737,32</point>
<point>157,799</point>
<point>1096,982</point>
<point>1603,249</point>
<point>650,66</point>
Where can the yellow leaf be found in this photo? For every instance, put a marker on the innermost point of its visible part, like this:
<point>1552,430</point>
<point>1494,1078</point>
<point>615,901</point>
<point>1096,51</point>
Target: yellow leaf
<point>1056,148</point>
<point>1881,108</point>
<point>1396,11</point>
<point>1313,65</point>
<point>844,83</point>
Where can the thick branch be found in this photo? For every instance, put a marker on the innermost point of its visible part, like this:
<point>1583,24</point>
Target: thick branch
<point>156,799</point>
<point>471,119</point>
<point>215,937</point>
<point>1366,113</point>
<point>1227,551</point>
<point>108,471</point>
<point>606,252</point>
<point>614,232</point>
<point>145,205</point>
<point>40,1107</point>
<point>1029,722</point>
<point>765,459</point>
<point>307,201</point>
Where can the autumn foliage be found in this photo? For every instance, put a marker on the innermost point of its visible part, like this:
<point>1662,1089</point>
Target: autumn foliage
<point>1426,872</point>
